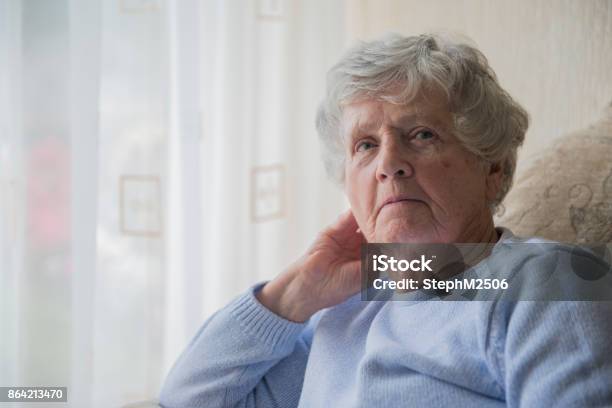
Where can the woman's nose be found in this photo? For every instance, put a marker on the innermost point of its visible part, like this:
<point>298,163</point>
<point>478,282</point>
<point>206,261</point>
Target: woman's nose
<point>392,163</point>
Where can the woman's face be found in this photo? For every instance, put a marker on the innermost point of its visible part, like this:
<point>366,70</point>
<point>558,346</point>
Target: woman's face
<point>408,179</point>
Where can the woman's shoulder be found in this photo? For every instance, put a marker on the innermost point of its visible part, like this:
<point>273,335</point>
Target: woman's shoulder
<point>512,249</point>
<point>542,269</point>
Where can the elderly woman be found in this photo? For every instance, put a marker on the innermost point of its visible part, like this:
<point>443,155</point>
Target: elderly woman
<point>423,140</point>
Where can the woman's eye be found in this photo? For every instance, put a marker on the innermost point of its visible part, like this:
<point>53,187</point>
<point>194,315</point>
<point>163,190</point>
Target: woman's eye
<point>363,146</point>
<point>424,135</point>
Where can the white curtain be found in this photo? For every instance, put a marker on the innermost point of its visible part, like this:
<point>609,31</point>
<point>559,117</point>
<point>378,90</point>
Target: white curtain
<point>156,159</point>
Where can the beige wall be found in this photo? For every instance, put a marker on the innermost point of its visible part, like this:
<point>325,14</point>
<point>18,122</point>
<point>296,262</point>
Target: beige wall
<point>554,57</point>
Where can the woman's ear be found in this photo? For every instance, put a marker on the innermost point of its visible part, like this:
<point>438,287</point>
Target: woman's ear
<point>493,180</point>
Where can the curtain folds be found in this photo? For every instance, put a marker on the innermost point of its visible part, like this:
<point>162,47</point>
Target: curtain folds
<point>156,159</point>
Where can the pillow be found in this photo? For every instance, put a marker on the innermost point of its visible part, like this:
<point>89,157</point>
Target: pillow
<point>566,195</point>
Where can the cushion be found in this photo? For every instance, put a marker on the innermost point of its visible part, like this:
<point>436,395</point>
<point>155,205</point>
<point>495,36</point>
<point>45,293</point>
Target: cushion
<point>566,195</point>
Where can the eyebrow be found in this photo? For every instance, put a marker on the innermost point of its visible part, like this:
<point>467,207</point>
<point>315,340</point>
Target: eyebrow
<point>408,119</point>
<point>366,126</point>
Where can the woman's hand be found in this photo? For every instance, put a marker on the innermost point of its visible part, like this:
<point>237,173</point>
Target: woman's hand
<point>328,274</point>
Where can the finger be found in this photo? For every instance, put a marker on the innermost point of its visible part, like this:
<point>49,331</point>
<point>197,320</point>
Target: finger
<point>358,238</point>
<point>346,223</point>
<point>347,231</point>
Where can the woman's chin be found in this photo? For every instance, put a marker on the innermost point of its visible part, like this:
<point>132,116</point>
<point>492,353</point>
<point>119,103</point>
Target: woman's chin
<point>402,231</point>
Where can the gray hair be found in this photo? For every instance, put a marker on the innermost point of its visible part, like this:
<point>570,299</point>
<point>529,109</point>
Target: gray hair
<point>487,121</point>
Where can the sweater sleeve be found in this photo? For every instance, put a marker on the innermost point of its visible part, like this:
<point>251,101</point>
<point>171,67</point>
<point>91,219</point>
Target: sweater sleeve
<point>243,356</point>
<point>554,353</point>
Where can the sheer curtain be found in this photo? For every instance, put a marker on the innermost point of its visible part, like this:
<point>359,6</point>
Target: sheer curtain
<point>156,159</point>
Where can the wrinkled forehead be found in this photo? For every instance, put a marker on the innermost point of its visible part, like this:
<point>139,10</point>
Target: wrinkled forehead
<point>368,115</point>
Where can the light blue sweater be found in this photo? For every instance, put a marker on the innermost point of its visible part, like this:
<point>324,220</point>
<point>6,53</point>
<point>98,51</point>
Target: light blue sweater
<point>411,353</point>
